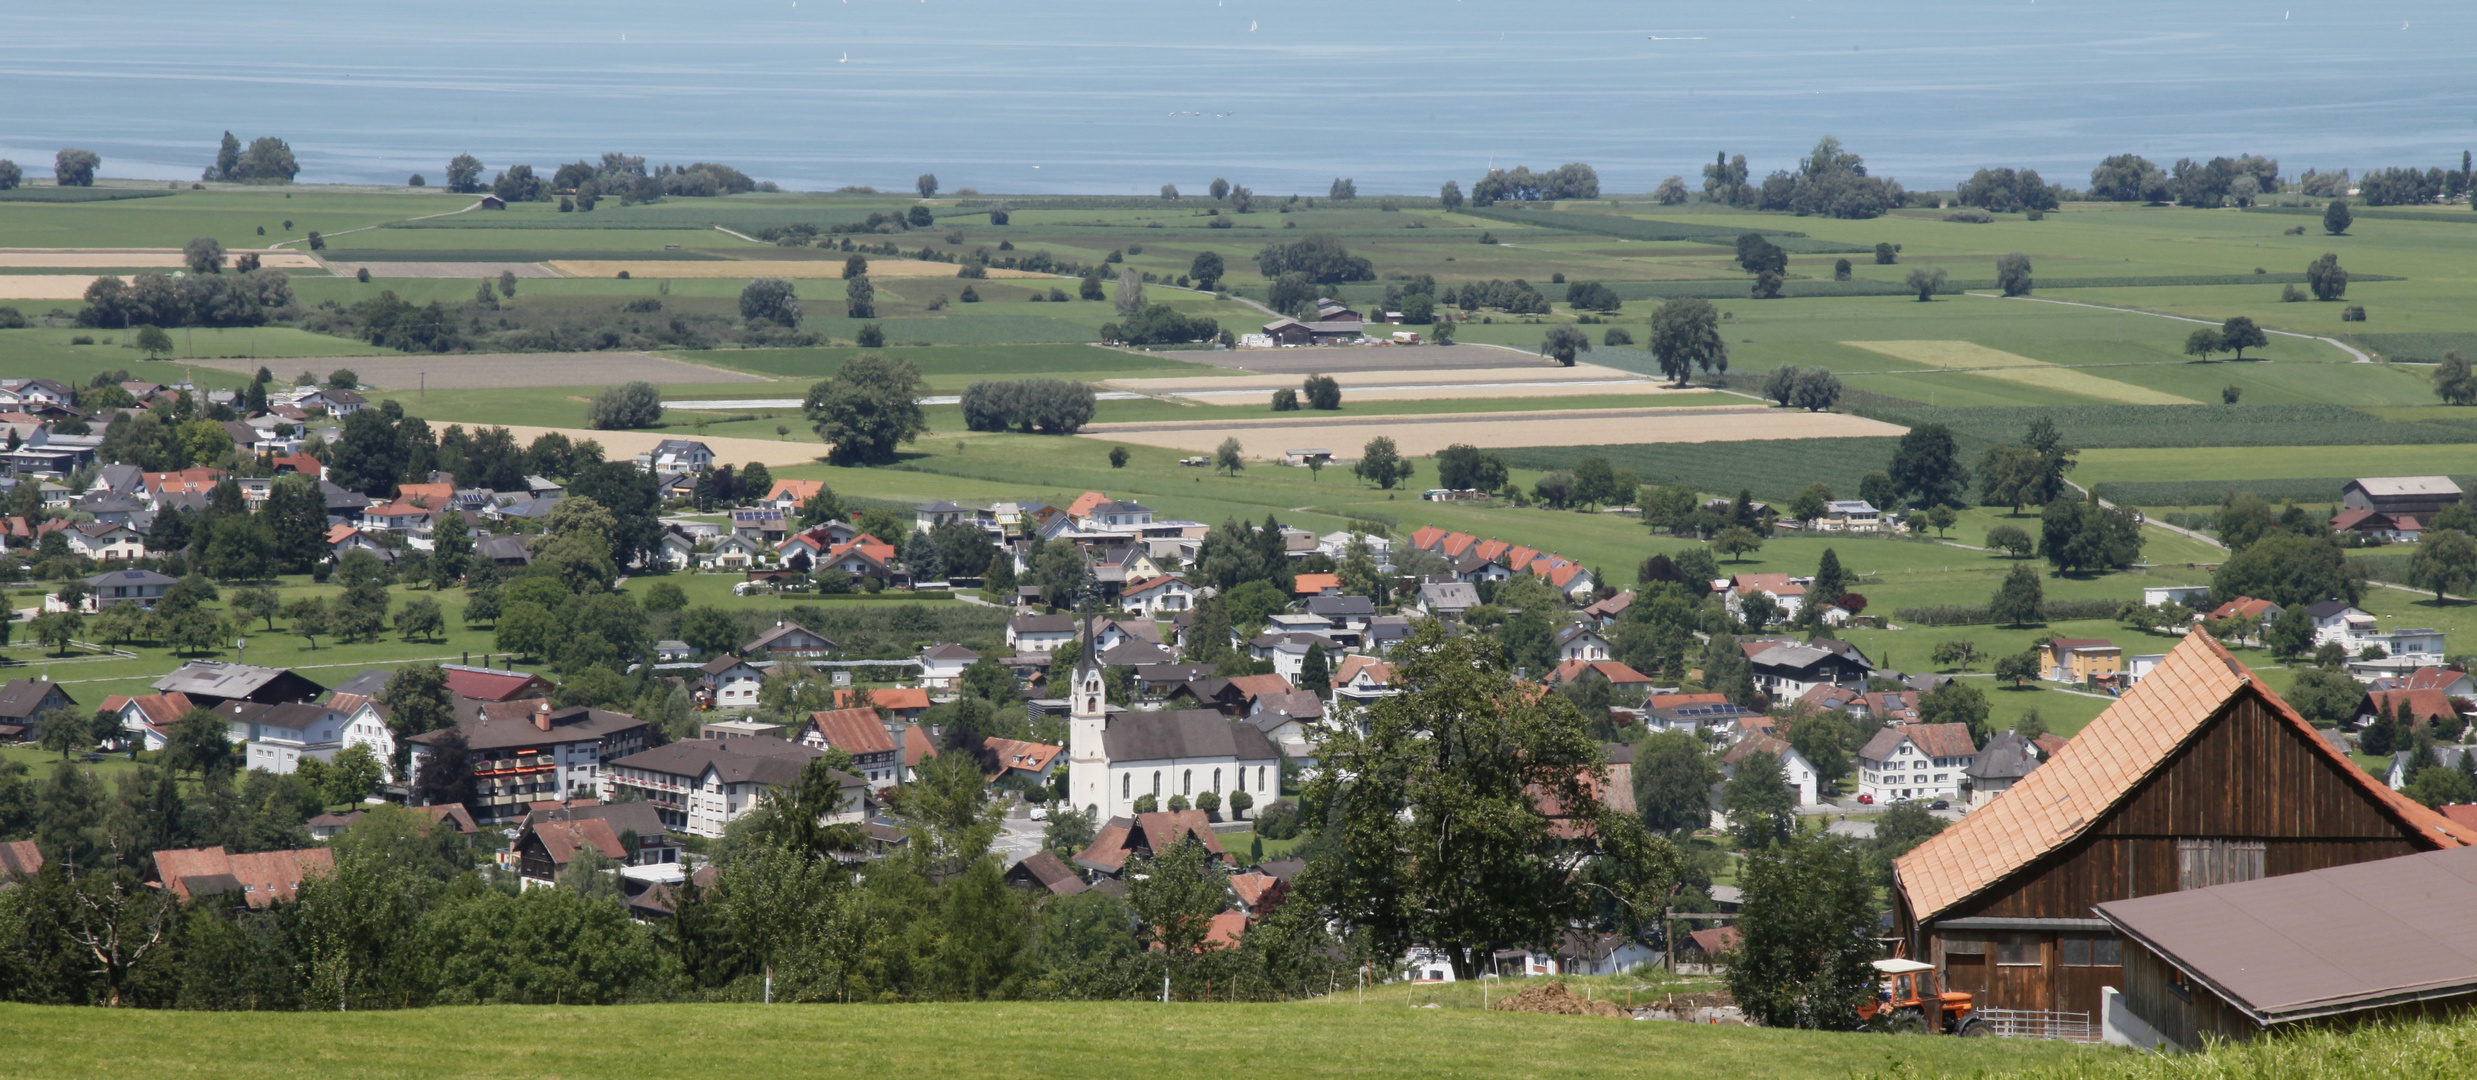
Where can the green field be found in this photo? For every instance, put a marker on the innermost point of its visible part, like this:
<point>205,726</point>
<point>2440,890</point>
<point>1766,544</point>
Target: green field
<point>1335,1037</point>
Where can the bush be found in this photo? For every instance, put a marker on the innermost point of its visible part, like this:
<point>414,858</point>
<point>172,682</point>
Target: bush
<point>1970,216</point>
<point>628,405</point>
<point>1278,820</point>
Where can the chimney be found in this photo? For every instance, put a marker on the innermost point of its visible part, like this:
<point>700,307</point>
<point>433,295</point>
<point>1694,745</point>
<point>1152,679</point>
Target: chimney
<point>541,715</point>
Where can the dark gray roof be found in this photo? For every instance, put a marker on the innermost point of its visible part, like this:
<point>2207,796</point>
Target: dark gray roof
<point>2321,942</point>
<point>1449,594</point>
<point>1138,654</point>
<point>1044,624</point>
<point>2006,756</point>
<point>219,681</point>
<point>131,577</point>
<point>368,683</point>
<point>642,817</point>
<point>514,727</point>
<point>737,761</point>
<point>1339,606</point>
<point>2328,608</point>
<point>949,651</point>
<point>1183,733</point>
<point>21,699</point>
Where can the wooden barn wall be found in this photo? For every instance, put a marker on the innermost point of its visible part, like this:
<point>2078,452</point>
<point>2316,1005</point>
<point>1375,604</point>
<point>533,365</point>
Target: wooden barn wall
<point>2247,776</point>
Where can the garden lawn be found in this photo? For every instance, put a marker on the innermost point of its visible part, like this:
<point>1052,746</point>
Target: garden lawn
<point>1335,1037</point>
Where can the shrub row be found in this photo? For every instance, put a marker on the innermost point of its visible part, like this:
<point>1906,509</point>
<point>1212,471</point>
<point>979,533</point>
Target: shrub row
<point>1959,615</point>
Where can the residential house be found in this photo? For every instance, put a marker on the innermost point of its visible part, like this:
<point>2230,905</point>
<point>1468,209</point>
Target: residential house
<point>1039,633</point>
<point>1158,596</point>
<point>2200,775</point>
<point>1582,643</point>
<point>146,721</point>
<point>1045,871</point>
<point>701,786</point>
<point>524,752</point>
<point>259,879</point>
<point>2080,661</point>
<point>1445,599</point>
<point>113,588</point>
<point>1786,594</point>
<point>494,684</point>
<point>784,641</point>
<point>2338,621</point>
<point>2257,613</point>
<point>546,848</point>
<point>677,455</point>
<point>1116,516</point>
<point>1028,761</point>
<point>904,704</point>
<point>1631,685</point>
<point>1125,837</point>
<point>276,737</point>
<point>862,556</point>
<point>23,703</point>
<point>1286,717</point>
<point>106,541</point>
<point>1363,679</point>
<point>2383,525</point>
<point>1906,762</point>
<point>1288,652</point>
<point>861,734</point>
<point>1316,585</point>
<point>941,666</point>
<point>2000,764</point>
<point>769,524</point>
<point>728,682</point>
<point>1344,616</point>
<point>789,494</point>
<point>1800,773</point>
<point>1850,515</point>
<point>1605,613</point>
<point>1785,669</point>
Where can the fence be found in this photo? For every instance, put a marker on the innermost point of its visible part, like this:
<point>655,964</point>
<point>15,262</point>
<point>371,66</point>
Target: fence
<point>2039,1024</point>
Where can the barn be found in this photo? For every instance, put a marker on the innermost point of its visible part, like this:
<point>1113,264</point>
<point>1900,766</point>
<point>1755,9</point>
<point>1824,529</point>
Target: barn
<point>2197,776</point>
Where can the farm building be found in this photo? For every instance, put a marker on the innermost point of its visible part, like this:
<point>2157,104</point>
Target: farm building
<point>2385,940</point>
<point>2197,776</point>
<point>2417,495</point>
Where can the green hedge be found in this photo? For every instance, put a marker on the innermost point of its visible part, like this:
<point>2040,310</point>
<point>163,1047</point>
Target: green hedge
<point>52,194</point>
<point>2320,489</point>
<point>1958,615</point>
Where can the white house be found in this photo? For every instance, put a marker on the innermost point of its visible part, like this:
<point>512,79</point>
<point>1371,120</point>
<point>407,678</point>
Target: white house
<point>701,786</point>
<point>1117,516</point>
<point>1916,761</point>
<point>106,541</point>
<point>1786,593</point>
<point>1851,515</point>
<point>1028,634</point>
<point>1158,596</point>
<point>941,666</point>
<point>525,751</point>
<point>731,683</point>
<point>281,735</point>
<point>1288,652</point>
<point>677,456</point>
<point>1800,772</point>
<point>1582,643</point>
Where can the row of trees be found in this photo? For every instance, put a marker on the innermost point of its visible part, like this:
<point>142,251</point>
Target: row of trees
<point>1050,406</point>
<point>1830,181</point>
<point>155,298</point>
<point>268,160</point>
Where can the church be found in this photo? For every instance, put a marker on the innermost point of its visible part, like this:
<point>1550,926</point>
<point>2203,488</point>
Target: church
<point>1116,756</point>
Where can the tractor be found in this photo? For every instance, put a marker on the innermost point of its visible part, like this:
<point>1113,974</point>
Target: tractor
<point>1911,1001</point>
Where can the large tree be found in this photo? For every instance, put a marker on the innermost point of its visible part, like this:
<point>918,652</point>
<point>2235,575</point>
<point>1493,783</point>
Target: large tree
<point>1808,922</point>
<point>1685,335</point>
<point>867,409</point>
<point>1382,465</point>
<point>1465,815</point>
<point>1926,467</point>
<point>2021,599</point>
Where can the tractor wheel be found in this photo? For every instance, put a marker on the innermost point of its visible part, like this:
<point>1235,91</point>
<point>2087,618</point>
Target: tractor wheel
<point>1973,1027</point>
<point>1907,1022</point>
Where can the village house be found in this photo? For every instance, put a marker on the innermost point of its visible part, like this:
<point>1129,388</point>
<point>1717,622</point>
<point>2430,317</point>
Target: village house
<point>2079,661</point>
<point>113,588</point>
<point>259,879</point>
<point>1783,670</point>
<point>788,641</point>
<point>941,666</point>
<point>1915,762</point>
<point>1786,594</point>
<point>2197,776</point>
<point>23,703</point>
<point>1157,597</point>
<point>701,786</point>
<point>524,752</point>
<point>1039,633</point>
<point>1794,767</point>
<point>1582,643</point>
<point>2005,759</point>
<point>677,456</point>
<point>728,682</point>
<point>861,734</point>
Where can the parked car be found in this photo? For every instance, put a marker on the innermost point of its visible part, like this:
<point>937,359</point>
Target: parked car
<point>1866,800</point>
<point>1940,804</point>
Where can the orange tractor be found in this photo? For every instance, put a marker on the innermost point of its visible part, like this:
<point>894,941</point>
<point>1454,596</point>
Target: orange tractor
<point>1911,1001</point>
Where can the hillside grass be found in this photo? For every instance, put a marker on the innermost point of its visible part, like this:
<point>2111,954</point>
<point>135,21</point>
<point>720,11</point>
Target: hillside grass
<point>1334,1037</point>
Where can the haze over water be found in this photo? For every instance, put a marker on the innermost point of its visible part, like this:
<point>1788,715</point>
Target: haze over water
<point>1282,95</point>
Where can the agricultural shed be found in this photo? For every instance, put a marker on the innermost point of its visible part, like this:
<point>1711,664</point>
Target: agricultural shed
<point>2393,939</point>
<point>2198,776</point>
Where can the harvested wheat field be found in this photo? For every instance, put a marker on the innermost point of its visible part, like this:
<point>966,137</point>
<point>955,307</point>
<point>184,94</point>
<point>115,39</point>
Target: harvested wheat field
<point>762,268</point>
<point>499,371</point>
<point>170,258</point>
<point>1979,360</point>
<point>45,286</point>
<point>802,449</point>
<point>1418,435</point>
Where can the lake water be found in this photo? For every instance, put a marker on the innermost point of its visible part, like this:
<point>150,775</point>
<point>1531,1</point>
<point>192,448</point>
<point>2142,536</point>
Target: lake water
<point>1282,95</point>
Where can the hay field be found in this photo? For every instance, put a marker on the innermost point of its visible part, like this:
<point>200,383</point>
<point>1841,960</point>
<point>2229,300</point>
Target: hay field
<point>1989,363</point>
<point>760,268</point>
<point>487,371</point>
<point>466,270</point>
<point>117,258</point>
<point>45,286</point>
<point>1419,435</point>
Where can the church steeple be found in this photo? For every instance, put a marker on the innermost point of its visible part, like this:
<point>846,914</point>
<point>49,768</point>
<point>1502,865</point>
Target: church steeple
<point>1087,726</point>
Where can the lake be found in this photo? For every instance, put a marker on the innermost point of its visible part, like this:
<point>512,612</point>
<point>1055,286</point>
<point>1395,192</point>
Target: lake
<point>1282,95</point>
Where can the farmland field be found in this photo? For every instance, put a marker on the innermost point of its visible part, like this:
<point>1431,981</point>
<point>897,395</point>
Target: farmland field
<point>1996,364</point>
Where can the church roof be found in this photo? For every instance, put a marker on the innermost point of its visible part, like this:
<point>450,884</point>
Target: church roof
<point>1183,733</point>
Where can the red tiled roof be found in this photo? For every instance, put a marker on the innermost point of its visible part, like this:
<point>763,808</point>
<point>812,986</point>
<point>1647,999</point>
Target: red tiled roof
<point>1426,537</point>
<point>301,463</point>
<point>265,877</point>
<point>483,684</point>
<point>1378,671</point>
<point>1022,756</point>
<point>1151,583</point>
<point>2242,605</point>
<point>1458,544</point>
<point>428,496</point>
<point>1663,701</point>
<point>798,491</point>
<point>1609,669</point>
<point>2105,764</point>
<point>916,747</point>
<point>2434,678</point>
<point>1083,504</point>
<point>1312,584</point>
<point>1226,930</point>
<point>564,839</point>
<point>2422,704</point>
<point>885,697</point>
<point>20,858</point>
<point>1491,550</point>
<point>855,731</point>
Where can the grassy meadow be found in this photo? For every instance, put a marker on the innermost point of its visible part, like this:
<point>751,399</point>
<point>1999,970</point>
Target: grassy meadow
<point>1387,1035</point>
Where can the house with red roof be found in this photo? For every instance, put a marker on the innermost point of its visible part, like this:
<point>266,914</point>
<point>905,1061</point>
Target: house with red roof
<point>858,732</point>
<point>1429,538</point>
<point>493,684</point>
<point>257,879</point>
<point>148,718</point>
<point>1162,596</point>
